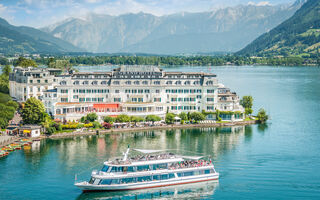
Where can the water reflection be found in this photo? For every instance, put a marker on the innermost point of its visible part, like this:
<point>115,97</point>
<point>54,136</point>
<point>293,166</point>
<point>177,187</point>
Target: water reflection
<point>188,191</point>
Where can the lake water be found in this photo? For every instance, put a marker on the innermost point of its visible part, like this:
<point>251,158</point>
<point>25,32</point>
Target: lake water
<point>277,161</point>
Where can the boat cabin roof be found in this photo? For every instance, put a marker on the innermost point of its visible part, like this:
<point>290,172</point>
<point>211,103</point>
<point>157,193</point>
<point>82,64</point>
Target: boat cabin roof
<point>146,160</point>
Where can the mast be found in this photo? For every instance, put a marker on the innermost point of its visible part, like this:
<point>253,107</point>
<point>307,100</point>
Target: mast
<point>126,154</point>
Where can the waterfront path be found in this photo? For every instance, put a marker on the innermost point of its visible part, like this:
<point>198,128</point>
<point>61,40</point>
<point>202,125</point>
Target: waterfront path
<point>148,128</point>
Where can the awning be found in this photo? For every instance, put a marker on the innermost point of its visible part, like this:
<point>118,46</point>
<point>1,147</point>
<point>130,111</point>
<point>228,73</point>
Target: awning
<point>105,106</point>
<point>26,131</point>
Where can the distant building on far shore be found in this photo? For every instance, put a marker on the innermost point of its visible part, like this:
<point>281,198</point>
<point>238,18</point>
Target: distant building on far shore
<point>131,90</point>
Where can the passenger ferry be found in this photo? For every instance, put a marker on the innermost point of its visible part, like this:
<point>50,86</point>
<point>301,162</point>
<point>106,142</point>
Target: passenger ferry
<point>149,171</point>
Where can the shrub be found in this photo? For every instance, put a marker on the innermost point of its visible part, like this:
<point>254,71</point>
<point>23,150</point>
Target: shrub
<point>123,118</point>
<point>183,116</point>
<point>89,125</point>
<point>106,125</point>
<point>50,130</point>
<point>92,117</point>
<point>197,116</point>
<point>262,116</point>
<point>96,125</point>
<point>109,119</point>
<point>170,118</point>
<point>153,118</point>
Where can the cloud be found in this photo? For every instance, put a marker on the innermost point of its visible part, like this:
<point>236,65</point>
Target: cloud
<point>262,3</point>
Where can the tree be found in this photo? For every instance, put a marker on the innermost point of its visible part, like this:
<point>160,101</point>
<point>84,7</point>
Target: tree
<point>170,118</point>
<point>109,119</point>
<point>183,116</point>
<point>247,102</point>
<point>197,116</point>
<point>6,70</point>
<point>153,118</point>
<point>91,117</point>
<point>248,111</point>
<point>23,62</point>
<point>122,118</point>
<point>136,119</point>
<point>33,111</point>
<point>262,116</point>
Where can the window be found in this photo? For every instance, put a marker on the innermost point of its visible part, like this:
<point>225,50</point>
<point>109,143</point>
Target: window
<point>140,99</point>
<point>81,99</point>
<point>157,82</point>
<point>210,91</point>
<point>117,99</point>
<point>105,182</point>
<point>146,91</point>
<point>145,82</point>
<point>169,82</point>
<point>143,168</point>
<point>31,81</point>
<point>187,83</point>
<point>76,83</point>
<point>103,82</point>
<point>46,81</point>
<point>164,176</point>
<point>94,83</point>
<point>88,99</point>
<point>105,168</point>
<point>210,99</point>
<point>116,82</point>
<point>64,99</point>
<point>157,99</point>
<point>63,83</point>
<point>128,82</point>
<point>117,91</point>
<point>157,91</point>
<point>38,81</point>
<point>137,83</point>
<point>85,82</point>
<point>209,82</point>
<point>63,91</point>
<point>75,96</point>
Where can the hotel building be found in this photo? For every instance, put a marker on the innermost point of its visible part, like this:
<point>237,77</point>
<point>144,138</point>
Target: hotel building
<point>131,90</point>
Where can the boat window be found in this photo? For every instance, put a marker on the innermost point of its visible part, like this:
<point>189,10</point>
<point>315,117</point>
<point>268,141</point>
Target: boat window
<point>156,177</point>
<point>92,180</point>
<point>96,181</point>
<point>180,174</point>
<point>115,181</point>
<point>144,178</point>
<point>130,169</point>
<point>207,171</point>
<point>143,168</point>
<point>117,169</point>
<point>164,176</point>
<point>171,176</point>
<point>106,182</point>
<point>105,168</point>
<point>127,180</point>
<point>160,166</point>
<point>188,174</point>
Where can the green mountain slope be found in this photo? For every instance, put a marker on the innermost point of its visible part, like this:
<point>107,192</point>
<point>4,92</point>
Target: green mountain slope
<point>299,35</point>
<point>23,39</point>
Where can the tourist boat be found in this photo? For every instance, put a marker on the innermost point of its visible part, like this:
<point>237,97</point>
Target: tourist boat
<point>149,171</point>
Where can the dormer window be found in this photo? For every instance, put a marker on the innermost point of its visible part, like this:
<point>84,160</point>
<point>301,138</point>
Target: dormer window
<point>85,82</point>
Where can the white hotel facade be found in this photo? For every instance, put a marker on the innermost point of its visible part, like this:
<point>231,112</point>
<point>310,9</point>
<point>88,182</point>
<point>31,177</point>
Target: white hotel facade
<point>131,90</point>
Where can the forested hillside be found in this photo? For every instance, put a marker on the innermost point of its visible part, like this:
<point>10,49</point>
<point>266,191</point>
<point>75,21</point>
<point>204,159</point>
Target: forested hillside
<point>299,35</point>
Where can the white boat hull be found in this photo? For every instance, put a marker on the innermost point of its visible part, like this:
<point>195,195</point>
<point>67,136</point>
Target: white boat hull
<point>86,187</point>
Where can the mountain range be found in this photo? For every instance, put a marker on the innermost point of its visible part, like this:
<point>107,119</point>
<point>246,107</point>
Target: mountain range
<point>299,35</point>
<point>228,30</point>
<point>23,39</point>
